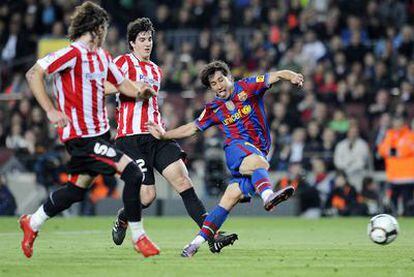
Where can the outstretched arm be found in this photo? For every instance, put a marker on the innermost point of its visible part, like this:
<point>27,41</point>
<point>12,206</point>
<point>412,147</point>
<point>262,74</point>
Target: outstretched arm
<point>35,77</point>
<point>293,77</point>
<point>183,131</point>
<point>131,89</point>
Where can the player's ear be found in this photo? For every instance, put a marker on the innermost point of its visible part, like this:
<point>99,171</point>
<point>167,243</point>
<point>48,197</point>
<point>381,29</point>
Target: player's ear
<point>132,44</point>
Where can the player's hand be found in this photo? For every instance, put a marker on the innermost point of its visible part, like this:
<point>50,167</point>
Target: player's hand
<point>145,91</point>
<point>297,80</point>
<point>156,130</point>
<point>58,118</point>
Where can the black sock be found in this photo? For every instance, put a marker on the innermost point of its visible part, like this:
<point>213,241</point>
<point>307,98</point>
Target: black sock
<point>132,176</point>
<point>194,206</point>
<point>63,198</point>
<point>122,216</point>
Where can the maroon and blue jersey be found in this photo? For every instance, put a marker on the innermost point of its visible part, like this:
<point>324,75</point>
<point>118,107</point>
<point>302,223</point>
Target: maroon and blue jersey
<point>242,116</point>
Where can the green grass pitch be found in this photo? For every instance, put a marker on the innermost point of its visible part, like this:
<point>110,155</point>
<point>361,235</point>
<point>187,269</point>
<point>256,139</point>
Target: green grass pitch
<point>266,246</point>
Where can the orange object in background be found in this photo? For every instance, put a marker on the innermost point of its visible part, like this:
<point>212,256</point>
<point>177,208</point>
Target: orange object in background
<point>399,166</point>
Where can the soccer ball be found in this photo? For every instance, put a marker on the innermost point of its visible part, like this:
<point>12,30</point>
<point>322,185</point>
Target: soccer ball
<point>383,229</point>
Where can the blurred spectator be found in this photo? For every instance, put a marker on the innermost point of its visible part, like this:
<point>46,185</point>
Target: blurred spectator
<point>397,150</point>
<point>370,195</point>
<point>339,123</point>
<point>321,179</point>
<point>309,202</point>
<point>7,201</point>
<point>328,148</point>
<point>378,135</point>
<point>343,200</point>
<point>313,144</point>
<point>352,156</point>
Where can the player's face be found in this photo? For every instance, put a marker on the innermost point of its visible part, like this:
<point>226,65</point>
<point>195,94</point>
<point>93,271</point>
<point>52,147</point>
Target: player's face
<point>221,85</point>
<point>143,45</point>
<point>103,30</point>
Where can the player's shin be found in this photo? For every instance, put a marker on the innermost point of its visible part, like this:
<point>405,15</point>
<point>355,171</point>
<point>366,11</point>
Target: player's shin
<point>194,206</point>
<point>211,224</point>
<point>132,176</point>
<point>261,182</point>
<point>57,202</point>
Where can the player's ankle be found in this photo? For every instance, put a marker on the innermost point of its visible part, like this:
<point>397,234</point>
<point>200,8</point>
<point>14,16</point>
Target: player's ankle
<point>137,230</point>
<point>199,240</point>
<point>266,194</point>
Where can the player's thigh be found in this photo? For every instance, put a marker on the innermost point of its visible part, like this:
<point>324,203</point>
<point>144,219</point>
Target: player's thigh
<point>168,161</point>
<point>177,175</point>
<point>136,150</point>
<point>231,196</point>
<point>81,180</point>
<point>251,163</point>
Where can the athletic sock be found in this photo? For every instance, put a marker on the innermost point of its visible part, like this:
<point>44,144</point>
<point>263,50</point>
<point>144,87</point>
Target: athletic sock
<point>38,218</point>
<point>194,206</point>
<point>137,230</point>
<point>213,222</point>
<point>261,182</point>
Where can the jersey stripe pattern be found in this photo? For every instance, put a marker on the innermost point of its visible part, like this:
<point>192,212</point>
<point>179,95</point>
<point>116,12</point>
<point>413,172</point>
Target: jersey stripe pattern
<point>78,77</point>
<point>132,113</point>
<point>242,116</point>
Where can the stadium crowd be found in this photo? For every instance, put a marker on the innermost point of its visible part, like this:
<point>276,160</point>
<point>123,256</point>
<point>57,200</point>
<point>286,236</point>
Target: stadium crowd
<point>356,56</point>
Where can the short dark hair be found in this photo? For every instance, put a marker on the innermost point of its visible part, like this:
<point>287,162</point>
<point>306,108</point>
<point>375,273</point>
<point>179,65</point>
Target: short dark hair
<point>88,17</point>
<point>211,68</point>
<point>137,26</point>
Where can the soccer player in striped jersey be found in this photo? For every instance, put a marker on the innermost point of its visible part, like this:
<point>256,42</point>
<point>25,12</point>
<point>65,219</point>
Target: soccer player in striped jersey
<point>78,73</point>
<point>238,111</point>
<point>134,139</point>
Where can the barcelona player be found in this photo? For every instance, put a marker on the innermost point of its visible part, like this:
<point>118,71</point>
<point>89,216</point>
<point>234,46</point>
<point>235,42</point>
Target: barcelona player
<point>239,113</point>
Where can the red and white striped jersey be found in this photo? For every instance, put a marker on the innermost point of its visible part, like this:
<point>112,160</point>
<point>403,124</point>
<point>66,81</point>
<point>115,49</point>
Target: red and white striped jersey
<point>78,85</point>
<point>134,113</point>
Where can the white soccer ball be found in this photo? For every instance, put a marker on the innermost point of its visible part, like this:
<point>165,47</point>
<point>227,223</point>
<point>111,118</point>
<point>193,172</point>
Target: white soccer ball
<point>383,229</point>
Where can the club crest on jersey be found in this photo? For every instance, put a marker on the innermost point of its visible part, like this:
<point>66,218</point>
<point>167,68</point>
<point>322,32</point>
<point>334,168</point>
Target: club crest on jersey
<point>242,112</point>
<point>260,79</point>
<point>230,105</point>
<point>242,96</point>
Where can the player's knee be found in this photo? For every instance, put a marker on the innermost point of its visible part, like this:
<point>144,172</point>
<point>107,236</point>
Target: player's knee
<point>148,195</point>
<point>132,173</point>
<point>252,163</point>
<point>231,197</point>
<point>132,176</point>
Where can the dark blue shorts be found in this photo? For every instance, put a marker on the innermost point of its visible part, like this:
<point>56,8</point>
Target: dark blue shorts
<point>235,153</point>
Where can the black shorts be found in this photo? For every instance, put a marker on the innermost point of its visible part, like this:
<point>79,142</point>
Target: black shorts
<point>92,156</point>
<point>150,153</point>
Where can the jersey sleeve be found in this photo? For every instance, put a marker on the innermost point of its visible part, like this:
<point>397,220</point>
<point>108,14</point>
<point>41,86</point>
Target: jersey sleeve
<point>115,75</point>
<point>255,85</point>
<point>58,61</point>
<point>122,64</point>
<point>206,119</point>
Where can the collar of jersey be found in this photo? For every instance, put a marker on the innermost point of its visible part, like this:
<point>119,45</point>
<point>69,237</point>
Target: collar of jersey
<point>138,59</point>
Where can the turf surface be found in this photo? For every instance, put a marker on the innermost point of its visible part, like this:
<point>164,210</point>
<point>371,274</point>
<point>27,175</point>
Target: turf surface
<point>267,246</point>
